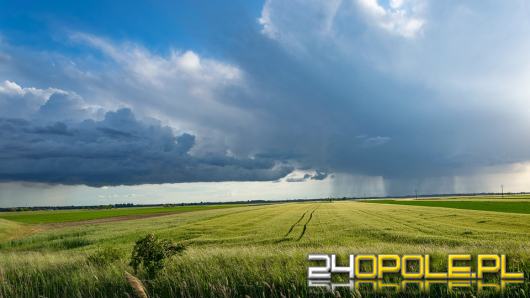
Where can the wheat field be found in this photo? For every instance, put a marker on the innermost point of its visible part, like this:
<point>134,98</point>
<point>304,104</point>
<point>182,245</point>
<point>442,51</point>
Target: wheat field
<point>256,250</point>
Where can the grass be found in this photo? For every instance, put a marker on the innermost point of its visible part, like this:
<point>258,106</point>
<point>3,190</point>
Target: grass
<point>10,229</point>
<point>59,216</point>
<point>258,251</point>
<point>497,206</point>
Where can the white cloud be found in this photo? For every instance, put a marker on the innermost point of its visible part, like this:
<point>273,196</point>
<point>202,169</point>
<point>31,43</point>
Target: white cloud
<point>181,88</point>
<point>265,21</point>
<point>285,20</point>
<point>189,61</point>
<point>12,88</point>
<point>396,3</point>
<point>288,21</point>
<point>16,101</point>
<point>402,17</point>
<point>50,104</point>
<point>159,70</point>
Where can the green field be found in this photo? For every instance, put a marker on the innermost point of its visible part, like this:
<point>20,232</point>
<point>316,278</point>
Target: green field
<point>255,250</point>
<point>54,216</point>
<point>497,206</point>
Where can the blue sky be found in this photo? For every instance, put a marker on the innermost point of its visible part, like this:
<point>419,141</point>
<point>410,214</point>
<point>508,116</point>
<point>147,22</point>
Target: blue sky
<point>106,101</point>
<point>159,25</point>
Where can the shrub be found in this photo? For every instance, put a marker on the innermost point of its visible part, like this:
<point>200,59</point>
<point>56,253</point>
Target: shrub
<point>104,256</point>
<point>151,252</point>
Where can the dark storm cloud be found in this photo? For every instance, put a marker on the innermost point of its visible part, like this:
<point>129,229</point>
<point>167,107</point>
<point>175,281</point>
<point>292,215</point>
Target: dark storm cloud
<point>119,149</point>
<point>359,87</point>
<point>319,175</point>
<point>406,90</point>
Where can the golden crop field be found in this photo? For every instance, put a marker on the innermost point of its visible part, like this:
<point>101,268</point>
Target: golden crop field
<point>256,250</point>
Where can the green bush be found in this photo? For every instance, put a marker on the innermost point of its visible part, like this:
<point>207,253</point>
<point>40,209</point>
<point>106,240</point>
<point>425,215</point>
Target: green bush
<point>151,252</point>
<point>104,256</point>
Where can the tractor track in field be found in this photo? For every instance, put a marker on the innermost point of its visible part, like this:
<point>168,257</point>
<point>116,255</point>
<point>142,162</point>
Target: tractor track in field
<point>293,225</point>
<point>306,223</point>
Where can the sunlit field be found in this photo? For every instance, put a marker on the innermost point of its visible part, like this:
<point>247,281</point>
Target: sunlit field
<point>510,204</point>
<point>255,250</point>
<point>46,216</point>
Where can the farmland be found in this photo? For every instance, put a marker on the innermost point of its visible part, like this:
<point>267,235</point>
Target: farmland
<point>255,250</point>
<point>53,216</point>
<point>497,206</point>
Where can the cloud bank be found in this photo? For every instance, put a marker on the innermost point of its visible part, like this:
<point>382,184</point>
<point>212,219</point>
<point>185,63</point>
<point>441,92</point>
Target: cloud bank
<point>60,140</point>
<point>405,91</point>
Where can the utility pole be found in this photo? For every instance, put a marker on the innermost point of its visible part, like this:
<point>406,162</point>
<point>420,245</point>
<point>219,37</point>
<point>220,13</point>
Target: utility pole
<point>416,192</point>
<point>502,191</point>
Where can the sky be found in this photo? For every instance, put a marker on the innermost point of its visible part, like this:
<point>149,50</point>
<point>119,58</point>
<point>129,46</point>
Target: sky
<point>188,101</point>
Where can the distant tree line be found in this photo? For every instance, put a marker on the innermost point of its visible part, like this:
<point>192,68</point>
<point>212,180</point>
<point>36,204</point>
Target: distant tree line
<point>249,202</point>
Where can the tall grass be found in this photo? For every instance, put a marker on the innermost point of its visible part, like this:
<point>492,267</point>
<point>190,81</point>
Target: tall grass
<point>250,251</point>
